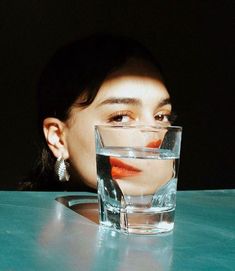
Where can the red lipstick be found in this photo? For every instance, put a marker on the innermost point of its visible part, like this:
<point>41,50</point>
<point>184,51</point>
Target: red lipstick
<point>119,169</point>
<point>154,144</point>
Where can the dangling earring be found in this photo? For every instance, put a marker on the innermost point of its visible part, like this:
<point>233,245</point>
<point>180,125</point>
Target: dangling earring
<point>61,169</point>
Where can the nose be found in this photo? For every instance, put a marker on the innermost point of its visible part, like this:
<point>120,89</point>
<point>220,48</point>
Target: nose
<point>148,119</point>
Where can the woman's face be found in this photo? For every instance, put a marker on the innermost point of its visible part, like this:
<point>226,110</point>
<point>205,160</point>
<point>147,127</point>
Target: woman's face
<point>133,95</point>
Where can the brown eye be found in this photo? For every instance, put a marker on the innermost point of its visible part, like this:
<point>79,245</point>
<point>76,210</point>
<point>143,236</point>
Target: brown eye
<point>120,117</point>
<point>162,117</point>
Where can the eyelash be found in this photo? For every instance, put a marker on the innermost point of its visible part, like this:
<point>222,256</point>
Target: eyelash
<point>170,117</point>
<point>113,117</point>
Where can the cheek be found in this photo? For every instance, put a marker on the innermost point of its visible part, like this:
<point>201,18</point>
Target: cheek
<point>81,147</point>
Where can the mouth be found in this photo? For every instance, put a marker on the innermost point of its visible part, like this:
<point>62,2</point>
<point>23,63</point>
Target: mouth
<point>154,144</point>
<point>119,169</point>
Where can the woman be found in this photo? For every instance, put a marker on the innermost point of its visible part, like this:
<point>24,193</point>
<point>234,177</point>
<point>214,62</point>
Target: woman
<point>102,79</point>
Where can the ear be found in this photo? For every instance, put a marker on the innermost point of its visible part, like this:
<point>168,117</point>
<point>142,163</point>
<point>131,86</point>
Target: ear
<point>54,134</point>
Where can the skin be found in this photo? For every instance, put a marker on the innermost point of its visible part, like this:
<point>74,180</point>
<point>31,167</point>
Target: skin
<point>132,95</point>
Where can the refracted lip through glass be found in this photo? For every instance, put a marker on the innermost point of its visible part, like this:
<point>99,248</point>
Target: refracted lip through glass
<point>119,169</point>
<point>137,169</point>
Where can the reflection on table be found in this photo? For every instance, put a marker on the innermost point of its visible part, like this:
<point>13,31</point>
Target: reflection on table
<point>59,231</point>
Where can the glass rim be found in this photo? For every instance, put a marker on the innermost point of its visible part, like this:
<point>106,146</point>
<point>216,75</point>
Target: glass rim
<point>174,127</point>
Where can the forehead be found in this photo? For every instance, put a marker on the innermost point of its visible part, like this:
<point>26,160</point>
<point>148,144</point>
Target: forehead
<point>136,78</point>
<point>141,87</point>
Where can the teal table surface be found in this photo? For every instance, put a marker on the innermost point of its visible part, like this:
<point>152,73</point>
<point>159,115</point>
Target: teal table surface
<point>38,231</point>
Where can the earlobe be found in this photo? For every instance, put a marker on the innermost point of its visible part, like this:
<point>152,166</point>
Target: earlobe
<point>53,130</point>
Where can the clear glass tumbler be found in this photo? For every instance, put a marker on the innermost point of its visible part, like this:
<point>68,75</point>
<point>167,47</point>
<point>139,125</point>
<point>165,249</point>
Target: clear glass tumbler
<point>137,170</point>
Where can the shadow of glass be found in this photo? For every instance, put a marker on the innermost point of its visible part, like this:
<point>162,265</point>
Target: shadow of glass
<point>84,205</point>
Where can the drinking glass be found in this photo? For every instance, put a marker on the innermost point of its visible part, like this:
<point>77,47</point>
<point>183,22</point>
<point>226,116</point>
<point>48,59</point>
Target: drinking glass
<point>137,171</point>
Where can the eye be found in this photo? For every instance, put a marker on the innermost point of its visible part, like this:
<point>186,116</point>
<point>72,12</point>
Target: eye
<point>121,117</point>
<point>162,117</point>
<point>165,117</point>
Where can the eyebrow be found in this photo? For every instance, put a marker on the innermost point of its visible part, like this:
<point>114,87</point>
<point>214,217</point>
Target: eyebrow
<point>114,100</point>
<point>132,101</point>
<point>164,102</point>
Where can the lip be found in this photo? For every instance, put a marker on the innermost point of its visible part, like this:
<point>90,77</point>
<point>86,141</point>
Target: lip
<point>154,144</point>
<point>119,169</point>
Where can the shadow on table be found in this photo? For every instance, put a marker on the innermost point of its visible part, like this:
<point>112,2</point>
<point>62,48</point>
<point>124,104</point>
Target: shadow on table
<point>84,205</point>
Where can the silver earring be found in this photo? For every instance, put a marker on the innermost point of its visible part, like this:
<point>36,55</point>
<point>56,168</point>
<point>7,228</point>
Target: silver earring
<point>61,169</point>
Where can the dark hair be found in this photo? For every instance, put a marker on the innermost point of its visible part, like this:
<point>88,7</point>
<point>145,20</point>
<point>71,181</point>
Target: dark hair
<point>78,69</point>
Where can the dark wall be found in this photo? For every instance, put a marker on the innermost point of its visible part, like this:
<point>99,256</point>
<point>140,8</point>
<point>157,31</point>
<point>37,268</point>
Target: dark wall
<point>193,41</point>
